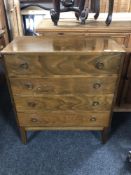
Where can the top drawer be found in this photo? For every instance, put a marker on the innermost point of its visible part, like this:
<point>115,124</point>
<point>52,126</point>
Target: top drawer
<point>48,65</point>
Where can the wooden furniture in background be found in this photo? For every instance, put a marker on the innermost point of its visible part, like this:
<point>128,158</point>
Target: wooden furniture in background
<point>3,24</point>
<point>81,9</point>
<point>118,30</point>
<point>119,5</point>
<point>14,17</point>
<point>14,12</point>
<point>64,83</point>
<point>4,38</point>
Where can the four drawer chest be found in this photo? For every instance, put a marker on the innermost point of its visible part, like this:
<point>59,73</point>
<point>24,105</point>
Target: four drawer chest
<point>63,83</point>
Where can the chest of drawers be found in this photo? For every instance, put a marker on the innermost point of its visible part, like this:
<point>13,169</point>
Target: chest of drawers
<point>63,83</point>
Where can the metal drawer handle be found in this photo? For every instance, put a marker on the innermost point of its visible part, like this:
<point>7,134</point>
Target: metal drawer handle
<point>34,120</point>
<point>99,65</point>
<point>95,103</point>
<point>29,85</point>
<point>32,104</point>
<point>92,119</point>
<point>96,85</point>
<point>24,66</point>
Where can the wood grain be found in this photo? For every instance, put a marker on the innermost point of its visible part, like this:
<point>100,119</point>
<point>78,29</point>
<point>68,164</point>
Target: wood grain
<point>70,25</point>
<point>63,85</point>
<point>46,65</point>
<point>3,23</point>
<point>64,119</point>
<point>121,38</point>
<point>62,45</point>
<point>64,103</point>
<point>67,128</point>
<point>119,30</point>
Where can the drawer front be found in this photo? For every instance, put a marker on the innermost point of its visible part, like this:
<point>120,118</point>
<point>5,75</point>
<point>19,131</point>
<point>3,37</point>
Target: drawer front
<point>64,103</point>
<point>43,86</point>
<point>64,119</point>
<point>50,65</point>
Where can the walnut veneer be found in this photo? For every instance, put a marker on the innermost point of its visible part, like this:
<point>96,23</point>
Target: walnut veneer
<point>67,83</point>
<point>119,30</point>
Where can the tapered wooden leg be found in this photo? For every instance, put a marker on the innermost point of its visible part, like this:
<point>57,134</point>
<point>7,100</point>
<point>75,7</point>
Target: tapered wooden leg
<point>105,135</point>
<point>23,135</point>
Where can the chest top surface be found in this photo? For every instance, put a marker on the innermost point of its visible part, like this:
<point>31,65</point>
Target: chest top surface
<point>66,45</point>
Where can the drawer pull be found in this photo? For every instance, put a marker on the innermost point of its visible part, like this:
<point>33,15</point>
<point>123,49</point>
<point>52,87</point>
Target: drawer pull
<point>34,120</point>
<point>92,119</point>
<point>99,65</point>
<point>60,33</point>
<point>32,104</point>
<point>96,85</point>
<point>95,103</point>
<point>29,85</point>
<point>24,66</point>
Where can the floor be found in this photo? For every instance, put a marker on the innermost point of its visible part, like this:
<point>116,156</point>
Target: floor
<point>63,152</point>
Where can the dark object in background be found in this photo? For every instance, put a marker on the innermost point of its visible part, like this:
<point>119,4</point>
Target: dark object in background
<point>81,9</point>
<point>95,8</point>
<point>78,6</point>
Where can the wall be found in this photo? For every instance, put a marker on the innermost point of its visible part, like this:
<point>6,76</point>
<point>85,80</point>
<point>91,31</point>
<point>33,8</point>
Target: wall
<point>119,5</point>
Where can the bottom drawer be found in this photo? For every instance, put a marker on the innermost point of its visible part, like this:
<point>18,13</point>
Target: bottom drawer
<point>64,119</point>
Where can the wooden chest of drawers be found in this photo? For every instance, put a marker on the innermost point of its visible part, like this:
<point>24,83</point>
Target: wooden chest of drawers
<point>62,82</point>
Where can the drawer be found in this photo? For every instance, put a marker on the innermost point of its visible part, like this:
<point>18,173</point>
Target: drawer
<point>64,119</point>
<point>64,103</point>
<point>76,85</point>
<point>51,65</point>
